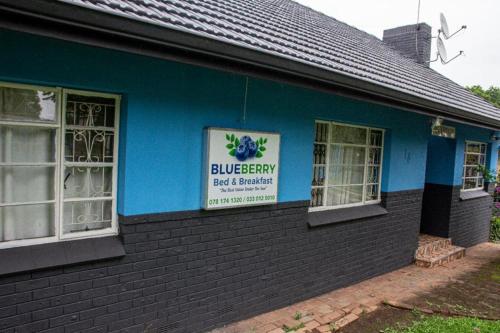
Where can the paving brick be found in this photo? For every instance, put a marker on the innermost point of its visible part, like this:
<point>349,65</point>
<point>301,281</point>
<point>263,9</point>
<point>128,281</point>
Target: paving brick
<point>276,330</point>
<point>330,317</point>
<point>346,320</point>
<point>322,329</point>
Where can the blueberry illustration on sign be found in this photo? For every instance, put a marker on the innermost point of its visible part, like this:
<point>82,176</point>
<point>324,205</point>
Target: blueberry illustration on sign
<point>241,152</point>
<point>245,147</point>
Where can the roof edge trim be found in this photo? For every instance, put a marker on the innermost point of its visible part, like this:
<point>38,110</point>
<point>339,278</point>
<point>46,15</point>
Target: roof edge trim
<point>102,29</point>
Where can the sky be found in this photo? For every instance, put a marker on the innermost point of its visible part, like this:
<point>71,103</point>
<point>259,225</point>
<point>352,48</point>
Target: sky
<point>480,41</point>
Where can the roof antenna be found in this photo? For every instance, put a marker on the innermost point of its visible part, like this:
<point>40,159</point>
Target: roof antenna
<point>417,28</point>
<point>442,54</point>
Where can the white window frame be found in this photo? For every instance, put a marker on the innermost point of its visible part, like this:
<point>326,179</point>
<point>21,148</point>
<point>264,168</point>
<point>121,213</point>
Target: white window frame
<point>367,146</point>
<point>59,164</point>
<point>467,142</point>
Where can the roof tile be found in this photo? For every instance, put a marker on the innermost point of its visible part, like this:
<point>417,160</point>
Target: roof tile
<point>288,29</point>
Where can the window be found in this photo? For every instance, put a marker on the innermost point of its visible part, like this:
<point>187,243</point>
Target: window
<point>57,164</point>
<point>475,156</point>
<point>347,165</point>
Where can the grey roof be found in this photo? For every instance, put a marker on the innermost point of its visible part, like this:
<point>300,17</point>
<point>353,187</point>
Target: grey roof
<point>290,30</point>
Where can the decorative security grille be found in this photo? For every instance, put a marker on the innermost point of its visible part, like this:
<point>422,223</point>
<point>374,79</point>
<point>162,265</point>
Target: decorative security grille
<point>89,162</point>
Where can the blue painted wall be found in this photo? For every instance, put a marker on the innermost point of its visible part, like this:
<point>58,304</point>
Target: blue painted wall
<point>166,105</point>
<point>441,161</point>
<point>446,156</point>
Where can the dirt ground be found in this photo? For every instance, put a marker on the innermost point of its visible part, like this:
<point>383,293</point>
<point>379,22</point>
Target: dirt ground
<point>475,294</point>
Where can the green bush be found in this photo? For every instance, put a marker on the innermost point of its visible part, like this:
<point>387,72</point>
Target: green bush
<point>495,229</point>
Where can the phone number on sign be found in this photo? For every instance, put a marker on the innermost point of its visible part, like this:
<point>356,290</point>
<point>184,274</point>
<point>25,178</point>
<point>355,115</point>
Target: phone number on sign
<point>238,200</point>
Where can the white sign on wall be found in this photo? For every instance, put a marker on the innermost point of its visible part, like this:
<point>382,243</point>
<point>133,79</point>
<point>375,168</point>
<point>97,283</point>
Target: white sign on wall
<point>241,168</point>
<point>444,131</point>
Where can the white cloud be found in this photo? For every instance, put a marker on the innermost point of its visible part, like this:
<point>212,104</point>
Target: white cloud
<point>481,64</point>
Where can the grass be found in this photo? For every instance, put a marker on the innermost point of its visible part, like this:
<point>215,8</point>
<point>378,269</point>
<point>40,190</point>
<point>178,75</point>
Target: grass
<point>332,327</point>
<point>292,328</point>
<point>297,315</point>
<point>436,324</point>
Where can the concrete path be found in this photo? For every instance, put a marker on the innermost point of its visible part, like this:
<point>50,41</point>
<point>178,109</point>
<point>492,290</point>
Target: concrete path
<point>338,308</point>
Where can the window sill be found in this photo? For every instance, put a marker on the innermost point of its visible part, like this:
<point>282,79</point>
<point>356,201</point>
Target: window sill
<point>469,195</point>
<point>335,216</point>
<point>29,258</point>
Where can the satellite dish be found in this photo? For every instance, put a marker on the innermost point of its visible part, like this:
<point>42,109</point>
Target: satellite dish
<point>442,50</point>
<point>445,30</point>
<point>444,26</point>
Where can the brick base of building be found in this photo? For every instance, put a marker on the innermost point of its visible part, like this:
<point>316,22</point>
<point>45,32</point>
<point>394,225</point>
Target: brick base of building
<point>194,271</point>
<point>469,219</point>
<point>445,214</point>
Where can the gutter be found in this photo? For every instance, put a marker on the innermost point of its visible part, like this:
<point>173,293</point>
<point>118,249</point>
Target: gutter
<point>69,22</point>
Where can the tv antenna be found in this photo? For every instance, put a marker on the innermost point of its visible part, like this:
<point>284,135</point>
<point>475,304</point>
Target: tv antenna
<point>442,54</point>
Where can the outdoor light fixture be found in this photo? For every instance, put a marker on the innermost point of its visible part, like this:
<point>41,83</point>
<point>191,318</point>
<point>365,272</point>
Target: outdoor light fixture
<point>438,129</point>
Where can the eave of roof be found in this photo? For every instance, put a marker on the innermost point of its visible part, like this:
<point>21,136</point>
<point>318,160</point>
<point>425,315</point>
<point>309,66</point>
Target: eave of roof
<point>61,20</point>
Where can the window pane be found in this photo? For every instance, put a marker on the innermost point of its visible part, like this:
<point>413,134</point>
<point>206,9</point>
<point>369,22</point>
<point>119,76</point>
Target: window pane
<point>80,182</point>
<point>344,195</point>
<point>318,176</point>
<point>471,171</point>
<point>90,111</point>
<point>86,215</point>
<point>28,221</point>
<point>344,175</point>
<point>91,146</point>
<point>347,134</point>
<point>376,138</point>
<point>27,144</point>
<point>373,175</point>
<point>346,165</point>
<point>471,159</point>
<point>482,159</point>
<point>347,155</point>
<point>25,184</point>
<point>321,134</point>
<point>319,156</point>
<point>470,183</point>
<point>474,147</point>
<point>474,157</point>
<point>374,156</point>
<point>317,197</point>
<point>27,105</point>
<point>372,192</point>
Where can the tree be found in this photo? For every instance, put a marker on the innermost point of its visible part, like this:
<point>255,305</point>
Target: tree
<point>492,94</point>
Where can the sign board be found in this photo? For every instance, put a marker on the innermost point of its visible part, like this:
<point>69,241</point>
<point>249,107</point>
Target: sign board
<point>444,131</point>
<point>241,168</point>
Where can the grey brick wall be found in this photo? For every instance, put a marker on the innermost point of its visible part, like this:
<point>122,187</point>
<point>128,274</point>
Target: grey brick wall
<point>436,209</point>
<point>466,222</point>
<point>469,219</point>
<point>193,271</point>
<point>412,41</point>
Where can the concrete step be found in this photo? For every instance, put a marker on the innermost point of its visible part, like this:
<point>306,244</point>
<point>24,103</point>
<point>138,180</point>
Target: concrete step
<point>439,257</point>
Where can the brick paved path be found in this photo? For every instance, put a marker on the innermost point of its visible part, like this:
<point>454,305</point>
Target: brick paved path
<point>340,307</point>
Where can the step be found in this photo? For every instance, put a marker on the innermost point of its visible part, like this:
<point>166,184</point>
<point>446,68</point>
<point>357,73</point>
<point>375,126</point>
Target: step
<point>427,245</point>
<point>440,256</point>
